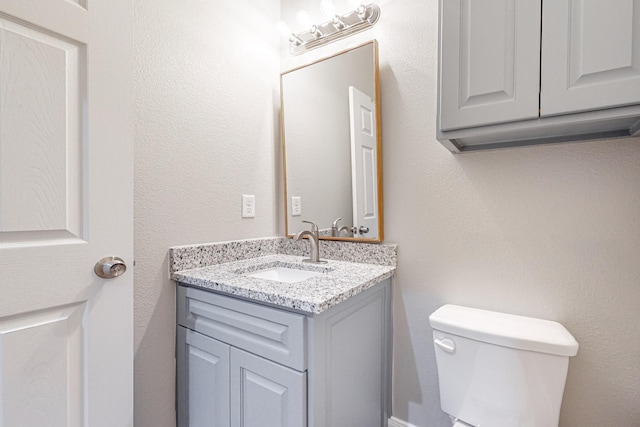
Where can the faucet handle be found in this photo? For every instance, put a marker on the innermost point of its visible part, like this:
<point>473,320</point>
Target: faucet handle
<point>314,227</point>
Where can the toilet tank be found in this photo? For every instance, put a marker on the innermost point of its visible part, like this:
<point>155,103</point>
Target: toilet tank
<point>500,370</point>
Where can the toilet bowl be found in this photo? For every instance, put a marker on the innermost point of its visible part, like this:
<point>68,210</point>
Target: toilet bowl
<point>500,370</point>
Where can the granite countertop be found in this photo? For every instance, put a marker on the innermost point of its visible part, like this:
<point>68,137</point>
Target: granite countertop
<point>339,281</point>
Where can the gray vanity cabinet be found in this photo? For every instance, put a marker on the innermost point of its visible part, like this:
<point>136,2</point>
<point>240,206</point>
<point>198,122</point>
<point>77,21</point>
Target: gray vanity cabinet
<point>521,72</point>
<point>222,385</point>
<point>226,371</point>
<point>244,364</point>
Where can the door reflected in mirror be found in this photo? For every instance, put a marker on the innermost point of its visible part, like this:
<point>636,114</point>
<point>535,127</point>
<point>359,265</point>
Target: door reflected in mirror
<point>331,144</point>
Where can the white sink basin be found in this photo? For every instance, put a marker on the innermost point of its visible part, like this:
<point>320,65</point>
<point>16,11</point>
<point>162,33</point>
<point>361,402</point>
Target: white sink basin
<point>283,274</point>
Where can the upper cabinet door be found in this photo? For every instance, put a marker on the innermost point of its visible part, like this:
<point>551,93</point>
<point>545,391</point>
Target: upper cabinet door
<point>590,55</point>
<point>490,62</point>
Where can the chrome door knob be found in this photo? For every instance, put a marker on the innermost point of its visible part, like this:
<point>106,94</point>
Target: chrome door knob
<point>363,229</point>
<point>110,267</point>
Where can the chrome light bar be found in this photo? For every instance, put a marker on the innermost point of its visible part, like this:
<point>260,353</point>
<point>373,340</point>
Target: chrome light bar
<point>341,26</point>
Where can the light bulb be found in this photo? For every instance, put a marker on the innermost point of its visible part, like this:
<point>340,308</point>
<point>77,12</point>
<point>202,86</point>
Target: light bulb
<point>295,40</point>
<point>284,29</point>
<point>338,23</point>
<point>362,12</point>
<point>304,19</point>
<point>317,32</point>
<point>327,8</point>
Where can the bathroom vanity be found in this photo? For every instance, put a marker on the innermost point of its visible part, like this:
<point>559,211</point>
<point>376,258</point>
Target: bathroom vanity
<point>312,349</point>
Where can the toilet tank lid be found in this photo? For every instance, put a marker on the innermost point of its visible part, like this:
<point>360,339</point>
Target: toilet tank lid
<point>507,330</point>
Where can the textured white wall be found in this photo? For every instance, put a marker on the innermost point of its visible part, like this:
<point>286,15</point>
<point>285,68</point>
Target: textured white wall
<point>206,126</point>
<point>550,232</point>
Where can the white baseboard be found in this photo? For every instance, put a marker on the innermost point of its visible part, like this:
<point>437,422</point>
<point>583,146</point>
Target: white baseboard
<point>395,422</point>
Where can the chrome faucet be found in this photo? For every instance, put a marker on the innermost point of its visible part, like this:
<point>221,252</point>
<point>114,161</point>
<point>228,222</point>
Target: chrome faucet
<point>335,232</point>
<point>314,243</point>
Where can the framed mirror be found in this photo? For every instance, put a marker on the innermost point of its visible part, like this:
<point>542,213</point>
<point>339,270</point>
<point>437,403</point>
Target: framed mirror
<point>332,146</point>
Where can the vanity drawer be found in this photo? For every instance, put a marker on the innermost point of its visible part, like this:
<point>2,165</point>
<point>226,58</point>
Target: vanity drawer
<point>274,334</point>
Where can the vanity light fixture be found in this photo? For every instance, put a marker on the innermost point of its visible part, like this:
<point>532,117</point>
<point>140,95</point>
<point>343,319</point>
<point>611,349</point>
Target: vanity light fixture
<point>339,27</point>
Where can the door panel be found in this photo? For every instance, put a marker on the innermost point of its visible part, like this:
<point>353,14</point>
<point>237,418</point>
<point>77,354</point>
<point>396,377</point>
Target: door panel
<point>66,155</point>
<point>489,59</point>
<point>41,367</point>
<point>590,55</point>
<point>364,162</point>
<point>266,394</point>
<point>41,143</point>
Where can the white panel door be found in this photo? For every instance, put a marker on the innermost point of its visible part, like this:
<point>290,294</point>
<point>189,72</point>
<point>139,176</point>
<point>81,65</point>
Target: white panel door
<point>590,55</point>
<point>364,163</point>
<point>489,62</point>
<point>66,154</point>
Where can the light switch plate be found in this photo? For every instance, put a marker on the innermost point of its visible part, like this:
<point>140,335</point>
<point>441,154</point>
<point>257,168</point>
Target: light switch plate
<point>296,206</point>
<point>248,206</point>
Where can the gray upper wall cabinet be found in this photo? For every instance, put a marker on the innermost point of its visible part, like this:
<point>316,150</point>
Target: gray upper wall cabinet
<point>490,56</point>
<point>522,72</point>
<point>590,55</point>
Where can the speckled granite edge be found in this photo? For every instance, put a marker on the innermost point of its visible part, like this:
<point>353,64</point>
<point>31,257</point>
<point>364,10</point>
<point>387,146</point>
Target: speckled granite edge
<point>340,281</point>
<point>203,255</point>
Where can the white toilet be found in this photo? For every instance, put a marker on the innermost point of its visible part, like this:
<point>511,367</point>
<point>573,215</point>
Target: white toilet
<point>500,370</point>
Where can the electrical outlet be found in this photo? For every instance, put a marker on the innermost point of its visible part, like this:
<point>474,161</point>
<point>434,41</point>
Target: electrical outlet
<point>296,206</point>
<point>248,206</point>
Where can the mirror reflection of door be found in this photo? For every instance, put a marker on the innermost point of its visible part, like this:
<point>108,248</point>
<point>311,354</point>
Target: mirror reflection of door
<point>362,121</point>
<point>317,148</point>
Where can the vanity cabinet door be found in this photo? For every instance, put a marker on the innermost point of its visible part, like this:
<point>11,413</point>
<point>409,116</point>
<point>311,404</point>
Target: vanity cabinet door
<point>489,62</point>
<point>266,394</point>
<point>590,55</point>
<point>203,380</point>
